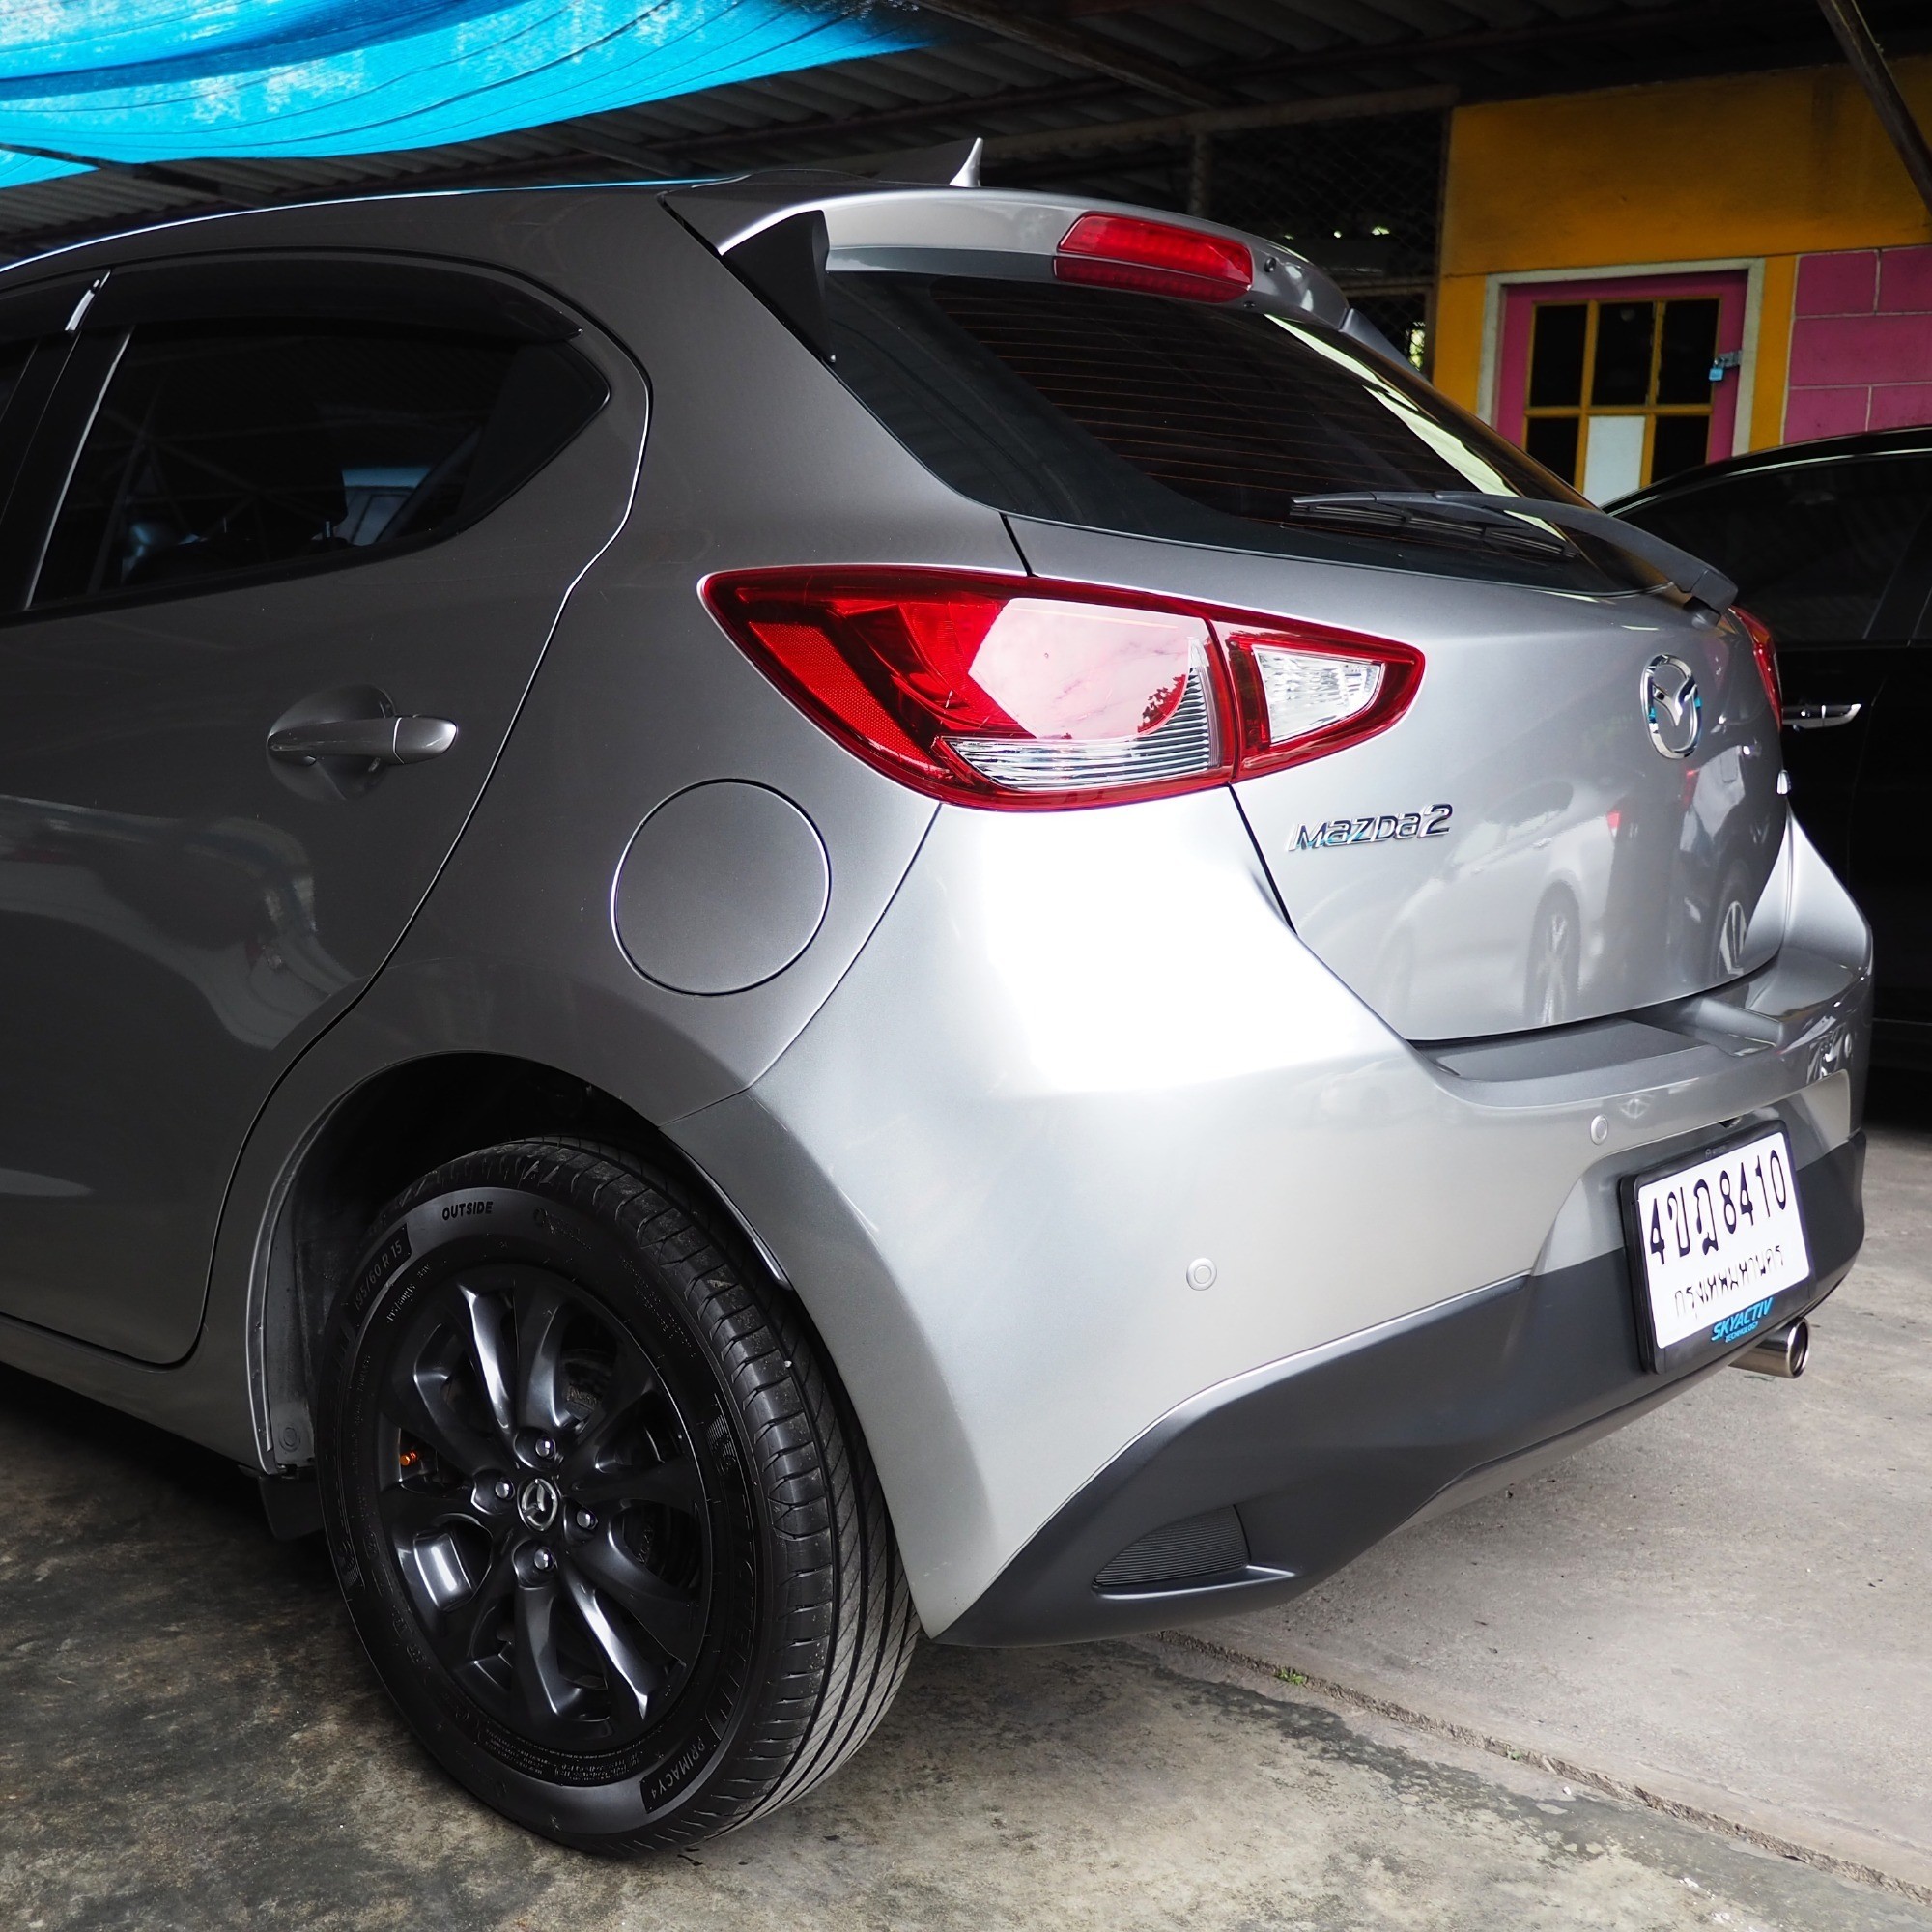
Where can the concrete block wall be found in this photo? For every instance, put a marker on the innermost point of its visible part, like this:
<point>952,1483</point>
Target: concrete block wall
<point>1861,342</point>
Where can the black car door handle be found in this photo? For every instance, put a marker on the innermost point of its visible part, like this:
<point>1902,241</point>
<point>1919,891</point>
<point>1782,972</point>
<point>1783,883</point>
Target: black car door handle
<point>1819,717</point>
<point>376,741</point>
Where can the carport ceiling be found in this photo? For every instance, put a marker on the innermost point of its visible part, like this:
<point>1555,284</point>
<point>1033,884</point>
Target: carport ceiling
<point>1040,79</point>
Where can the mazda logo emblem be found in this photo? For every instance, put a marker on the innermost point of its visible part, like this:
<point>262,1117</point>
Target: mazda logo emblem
<point>1672,707</point>
<point>539,1504</point>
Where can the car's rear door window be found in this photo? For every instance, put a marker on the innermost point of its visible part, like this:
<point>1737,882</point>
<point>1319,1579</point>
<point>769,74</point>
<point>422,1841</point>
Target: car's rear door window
<point>1173,419</point>
<point>13,361</point>
<point>243,445</point>
<point>14,429</point>
<point>1812,546</point>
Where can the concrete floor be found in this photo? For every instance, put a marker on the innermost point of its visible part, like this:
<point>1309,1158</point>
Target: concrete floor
<point>189,1736</point>
<point>1728,1604</point>
<point>191,1740</point>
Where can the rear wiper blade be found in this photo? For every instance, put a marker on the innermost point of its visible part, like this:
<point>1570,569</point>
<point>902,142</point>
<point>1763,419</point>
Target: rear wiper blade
<point>1473,509</point>
<point>1383,511</point>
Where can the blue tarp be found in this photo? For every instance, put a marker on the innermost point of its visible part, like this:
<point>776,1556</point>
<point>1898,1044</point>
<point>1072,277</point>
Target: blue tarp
<point>156,81</point>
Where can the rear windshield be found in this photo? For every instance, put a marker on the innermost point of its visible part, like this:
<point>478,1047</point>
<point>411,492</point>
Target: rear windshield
<point>1174,419</point>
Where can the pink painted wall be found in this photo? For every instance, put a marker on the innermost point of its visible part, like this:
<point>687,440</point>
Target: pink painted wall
<point>1860,343</point>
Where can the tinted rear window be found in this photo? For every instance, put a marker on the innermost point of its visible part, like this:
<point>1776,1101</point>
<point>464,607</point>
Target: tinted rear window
<point>1171,419</point>
<point>223,448</point>
<point>12,359</point>
<point>1812,546</point>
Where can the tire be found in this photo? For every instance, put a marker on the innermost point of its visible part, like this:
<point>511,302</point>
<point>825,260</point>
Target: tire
<point>601,1515</point>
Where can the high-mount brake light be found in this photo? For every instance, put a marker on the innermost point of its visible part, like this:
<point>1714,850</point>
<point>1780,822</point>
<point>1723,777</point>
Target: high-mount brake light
<point>1154,258</point>
<point>1764,651</point>
<point>1021,693</point>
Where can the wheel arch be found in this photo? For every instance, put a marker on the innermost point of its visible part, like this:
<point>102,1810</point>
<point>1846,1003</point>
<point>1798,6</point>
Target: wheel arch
<point>381,1135</point>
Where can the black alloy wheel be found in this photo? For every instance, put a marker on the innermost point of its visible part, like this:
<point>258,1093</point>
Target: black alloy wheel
<point>545,1506</point>
<point>604,1519</point>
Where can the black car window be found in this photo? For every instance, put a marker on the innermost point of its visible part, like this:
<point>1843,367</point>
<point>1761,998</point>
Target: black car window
<point>1176,419</point>
<point>229,447</point>
<point>12,359</point>
<point>15,433</point>
<point>1812,546</point>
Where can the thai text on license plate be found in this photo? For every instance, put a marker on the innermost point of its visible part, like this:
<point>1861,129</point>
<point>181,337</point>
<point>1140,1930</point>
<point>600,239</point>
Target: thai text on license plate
<point>1718,1239</point>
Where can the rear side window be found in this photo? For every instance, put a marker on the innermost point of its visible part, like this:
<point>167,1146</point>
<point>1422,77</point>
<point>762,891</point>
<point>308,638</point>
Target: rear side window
<point>1811,548</point>
<point>13,361</point>
<point>13,434</point>
<point>225,448</point>
<point>1174,419</point>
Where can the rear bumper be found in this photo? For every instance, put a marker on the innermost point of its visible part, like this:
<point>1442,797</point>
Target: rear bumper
<point>1084,1053</point>
<point>1253,1492</point>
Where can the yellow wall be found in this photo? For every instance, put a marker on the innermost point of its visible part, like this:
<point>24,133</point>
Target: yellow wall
<point>1767,165</point>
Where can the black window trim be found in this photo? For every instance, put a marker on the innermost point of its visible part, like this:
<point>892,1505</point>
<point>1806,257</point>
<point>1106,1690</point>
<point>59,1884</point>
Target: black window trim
<point>81,366</point>
<point>338,285</point>
<point>345,285</point>
<point>40,315</point>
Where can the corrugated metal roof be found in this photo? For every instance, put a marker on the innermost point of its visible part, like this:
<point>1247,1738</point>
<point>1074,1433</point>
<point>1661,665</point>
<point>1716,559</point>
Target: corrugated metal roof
<point>1041,73</point>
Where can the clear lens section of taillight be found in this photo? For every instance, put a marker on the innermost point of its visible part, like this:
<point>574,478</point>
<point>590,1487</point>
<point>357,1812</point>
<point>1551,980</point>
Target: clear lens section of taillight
<point>1020,693</point>
<point>1304,693</point>
<point>1173,739</point>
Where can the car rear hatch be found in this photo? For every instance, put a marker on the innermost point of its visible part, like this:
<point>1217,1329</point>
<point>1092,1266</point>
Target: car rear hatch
<point>1574,809</point>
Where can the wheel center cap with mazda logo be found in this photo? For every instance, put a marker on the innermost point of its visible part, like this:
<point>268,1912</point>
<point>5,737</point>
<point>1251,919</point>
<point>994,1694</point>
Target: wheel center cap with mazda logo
<point>1672,706</point>
<point>538,1503</point>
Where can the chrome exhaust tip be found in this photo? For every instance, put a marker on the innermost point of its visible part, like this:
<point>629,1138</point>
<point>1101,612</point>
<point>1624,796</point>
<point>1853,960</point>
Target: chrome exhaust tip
<point>1782,1352</point>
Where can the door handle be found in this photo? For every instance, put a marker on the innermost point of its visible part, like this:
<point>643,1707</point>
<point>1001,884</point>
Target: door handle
<point>1819,717</point>
<point>375,741</point>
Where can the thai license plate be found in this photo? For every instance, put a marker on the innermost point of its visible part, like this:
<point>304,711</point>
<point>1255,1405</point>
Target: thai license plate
<point>1720,1242</point>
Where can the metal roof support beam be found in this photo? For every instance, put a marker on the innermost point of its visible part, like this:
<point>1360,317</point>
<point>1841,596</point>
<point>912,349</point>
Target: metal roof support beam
<point>1090,52</point>
<point>1224,121</point>
<point>1058,96</point>
<point>1053,97</point>
<point>188,183</point>
<point>591,137</point>
<point>1867,61</point>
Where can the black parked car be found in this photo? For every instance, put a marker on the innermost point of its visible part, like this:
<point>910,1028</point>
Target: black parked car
<point>1831,544</point>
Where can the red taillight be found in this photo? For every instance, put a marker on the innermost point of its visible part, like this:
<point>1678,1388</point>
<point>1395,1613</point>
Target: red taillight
<point>1021,693</point>
<point>1154,258</point>
<point>1764,650</point>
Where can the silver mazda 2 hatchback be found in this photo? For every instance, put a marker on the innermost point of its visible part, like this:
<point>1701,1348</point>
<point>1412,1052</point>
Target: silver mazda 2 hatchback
<point>743,918</point>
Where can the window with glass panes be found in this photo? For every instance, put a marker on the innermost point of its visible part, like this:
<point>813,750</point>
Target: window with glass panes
<point>1620,392</point>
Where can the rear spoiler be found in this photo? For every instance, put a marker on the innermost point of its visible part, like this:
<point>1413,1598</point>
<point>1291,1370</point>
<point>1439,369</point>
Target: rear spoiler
<point>936,226</point>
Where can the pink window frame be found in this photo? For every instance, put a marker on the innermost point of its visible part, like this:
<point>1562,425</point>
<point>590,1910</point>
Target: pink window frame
<point>1520,300</point>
